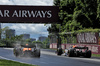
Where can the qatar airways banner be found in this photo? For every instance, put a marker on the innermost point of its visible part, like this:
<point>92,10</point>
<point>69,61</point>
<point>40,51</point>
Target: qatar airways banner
<point>29,14</point>
<point>87,38</point>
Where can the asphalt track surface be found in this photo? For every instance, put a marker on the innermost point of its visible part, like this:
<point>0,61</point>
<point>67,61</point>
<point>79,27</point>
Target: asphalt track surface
<point>49,58</point>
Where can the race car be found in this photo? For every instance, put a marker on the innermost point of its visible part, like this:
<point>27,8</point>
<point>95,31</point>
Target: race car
<point>78,51</point>
<point>26,50</point>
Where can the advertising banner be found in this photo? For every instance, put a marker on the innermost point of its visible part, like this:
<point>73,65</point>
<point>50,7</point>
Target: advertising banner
<point>29,14</point>
<point>87,38</point>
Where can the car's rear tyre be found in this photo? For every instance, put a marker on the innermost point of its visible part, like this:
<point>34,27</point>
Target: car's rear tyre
<point>59,51</point>
<point>17,52</point>
<point>71,53</point>
<point>37,53</point>
<point>88,54</point>
<point>77,54</point>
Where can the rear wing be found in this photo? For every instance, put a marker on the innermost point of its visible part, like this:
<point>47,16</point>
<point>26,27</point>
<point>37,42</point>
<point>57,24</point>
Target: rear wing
<point>81,48</point>
<point>28,46</point>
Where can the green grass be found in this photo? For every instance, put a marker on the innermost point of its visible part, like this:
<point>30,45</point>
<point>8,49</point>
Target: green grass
<point>12,63</point>
<point>95,55</point>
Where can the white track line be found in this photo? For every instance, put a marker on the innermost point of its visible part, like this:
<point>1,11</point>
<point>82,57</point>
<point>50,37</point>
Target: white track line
<point>88,59</point>
<point>9,48</point>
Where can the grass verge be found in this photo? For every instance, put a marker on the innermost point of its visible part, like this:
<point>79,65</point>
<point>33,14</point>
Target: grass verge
<point>95,55</point>
<point>12,63</point>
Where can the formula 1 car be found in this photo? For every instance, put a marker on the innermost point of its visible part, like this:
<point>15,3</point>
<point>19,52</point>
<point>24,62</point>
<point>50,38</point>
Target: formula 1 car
<point>78,51</point>
<point>26,50</point>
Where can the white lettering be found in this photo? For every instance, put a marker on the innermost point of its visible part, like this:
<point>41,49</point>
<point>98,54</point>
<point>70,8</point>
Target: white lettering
<point>49,14</point>
<point>19,13</point>
<point>44,13</point>
<point>15,14</point>
<point>86,38</point>
<point>27,13</point>
<point>6,13</point>
<point>32,13</point>
<point>39,14</point>
<point>24,12</point>
<point>1,13</point>
<point>94,49</point>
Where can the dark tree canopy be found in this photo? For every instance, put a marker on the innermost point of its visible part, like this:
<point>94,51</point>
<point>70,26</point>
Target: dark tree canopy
<point>77,14</point>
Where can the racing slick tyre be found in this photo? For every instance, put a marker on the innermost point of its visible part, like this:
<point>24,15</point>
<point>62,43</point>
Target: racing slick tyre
<point>71,53</point>
<point>59,51</point>
<point>16,53</point>
<point>77,54</point>
<point>37,53</point>
<point>88,54</point>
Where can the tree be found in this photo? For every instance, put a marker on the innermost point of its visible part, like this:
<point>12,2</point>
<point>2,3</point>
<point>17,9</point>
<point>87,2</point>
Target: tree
<point>86,13</point>
<point>56,2</point>
<point>46,43</point>
<point>3,41</point>
<point>2,30</point>
<point>77,15</point>
<point>54,27</point>
<point>18,37</point>
<point>28,40</point>
<point>38,44</point>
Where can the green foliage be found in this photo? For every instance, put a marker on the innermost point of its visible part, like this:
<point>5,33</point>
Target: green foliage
<point>12,63</point>
<point>98,8</point>
<point>34,42</point>
<point>28,40</point>
<point>53,28</point>
<point>18,37</point>
<point>95,55</point>
<point>45,43</point>
<point>88,30</point>
<point>38,43</point>
<point>56,2</point>
<point>77,16</point>
<point>86,13</point>
<point>63,40</point>
<point>5,28</point>
<point>10,41</point>
<point>2,43</point>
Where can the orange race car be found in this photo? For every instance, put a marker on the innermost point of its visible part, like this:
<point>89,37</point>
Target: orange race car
<point>26,50</point>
